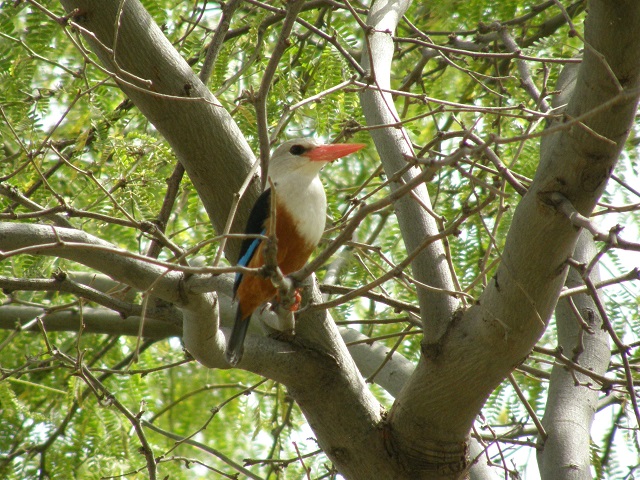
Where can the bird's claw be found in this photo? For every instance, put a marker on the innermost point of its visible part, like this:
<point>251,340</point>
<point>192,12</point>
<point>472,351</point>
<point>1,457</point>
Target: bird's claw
<point>297,300</point>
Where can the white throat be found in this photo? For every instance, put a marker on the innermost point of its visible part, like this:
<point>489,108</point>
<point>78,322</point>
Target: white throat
<point>306,196</point>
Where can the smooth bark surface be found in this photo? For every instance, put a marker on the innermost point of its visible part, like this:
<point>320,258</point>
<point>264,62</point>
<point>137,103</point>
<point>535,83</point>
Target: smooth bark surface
<point>440,402</point>
<point>573,398</point>
<point>159,81</point>
<point>414,213</point>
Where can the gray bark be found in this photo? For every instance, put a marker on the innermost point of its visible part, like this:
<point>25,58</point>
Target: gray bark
<point>87,319</point>
<point>573,397</point>
<point>159,81</point>
<point>415,221</point>
<point>433,415</point>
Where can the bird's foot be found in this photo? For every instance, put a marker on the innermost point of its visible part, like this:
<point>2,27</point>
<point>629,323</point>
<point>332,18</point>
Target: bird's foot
<point>297,300</point>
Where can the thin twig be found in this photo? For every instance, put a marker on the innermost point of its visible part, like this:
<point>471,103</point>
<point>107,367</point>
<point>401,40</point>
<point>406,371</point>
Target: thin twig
<point>534,417</point>
<point>293,9</point>
<point>228,9</point>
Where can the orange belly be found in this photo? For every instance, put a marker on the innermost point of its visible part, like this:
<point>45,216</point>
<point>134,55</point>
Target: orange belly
<point>293,253</point>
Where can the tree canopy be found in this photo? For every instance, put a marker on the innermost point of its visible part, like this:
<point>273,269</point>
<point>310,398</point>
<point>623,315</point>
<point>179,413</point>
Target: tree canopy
<point>472,310</point>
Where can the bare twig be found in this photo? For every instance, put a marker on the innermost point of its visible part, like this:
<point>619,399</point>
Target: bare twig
<point>612,239</point>
<point>293,9</point>
<point>228,9</point>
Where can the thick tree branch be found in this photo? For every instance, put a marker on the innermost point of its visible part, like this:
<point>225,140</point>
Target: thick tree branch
<point>393,145</point>
<point>200,331</point>
<point>456,375</point>
<point>572,400</point>
<point>150,71</point>
<point>89,320</point>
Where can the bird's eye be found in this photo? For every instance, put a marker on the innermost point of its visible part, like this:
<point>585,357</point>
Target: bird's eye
<point>297,150</point>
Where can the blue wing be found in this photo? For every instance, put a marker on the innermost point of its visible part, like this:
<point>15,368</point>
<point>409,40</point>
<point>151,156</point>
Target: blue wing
<point>256,225</point>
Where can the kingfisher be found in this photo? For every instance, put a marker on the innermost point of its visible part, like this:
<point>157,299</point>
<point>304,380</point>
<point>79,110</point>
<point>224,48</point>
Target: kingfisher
<point>300,206</point>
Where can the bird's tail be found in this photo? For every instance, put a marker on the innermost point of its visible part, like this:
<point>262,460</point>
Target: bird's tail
<point>235,346</point>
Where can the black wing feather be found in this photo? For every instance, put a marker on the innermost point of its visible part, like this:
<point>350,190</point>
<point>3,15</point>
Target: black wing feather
<point>255,226</point>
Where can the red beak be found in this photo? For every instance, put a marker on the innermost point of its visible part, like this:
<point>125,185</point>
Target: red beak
<point>333,151</point>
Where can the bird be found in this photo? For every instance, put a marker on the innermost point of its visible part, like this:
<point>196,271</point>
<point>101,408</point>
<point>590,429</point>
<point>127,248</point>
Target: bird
<point>300,206</point>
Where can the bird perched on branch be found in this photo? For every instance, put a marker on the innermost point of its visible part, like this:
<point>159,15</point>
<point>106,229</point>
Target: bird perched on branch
<point>300,210</point>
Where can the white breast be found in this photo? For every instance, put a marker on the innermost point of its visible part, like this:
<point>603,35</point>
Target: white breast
<point>307,203</point>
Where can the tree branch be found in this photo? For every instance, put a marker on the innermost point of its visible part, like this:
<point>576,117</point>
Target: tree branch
<point>571,403</point>
<point>158,80</point>
<point>260,101</point>
<point>457,374</point>
<point>393,145</point>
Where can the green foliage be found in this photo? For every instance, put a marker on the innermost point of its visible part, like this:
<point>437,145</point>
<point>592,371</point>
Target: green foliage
<point>72,141</point>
